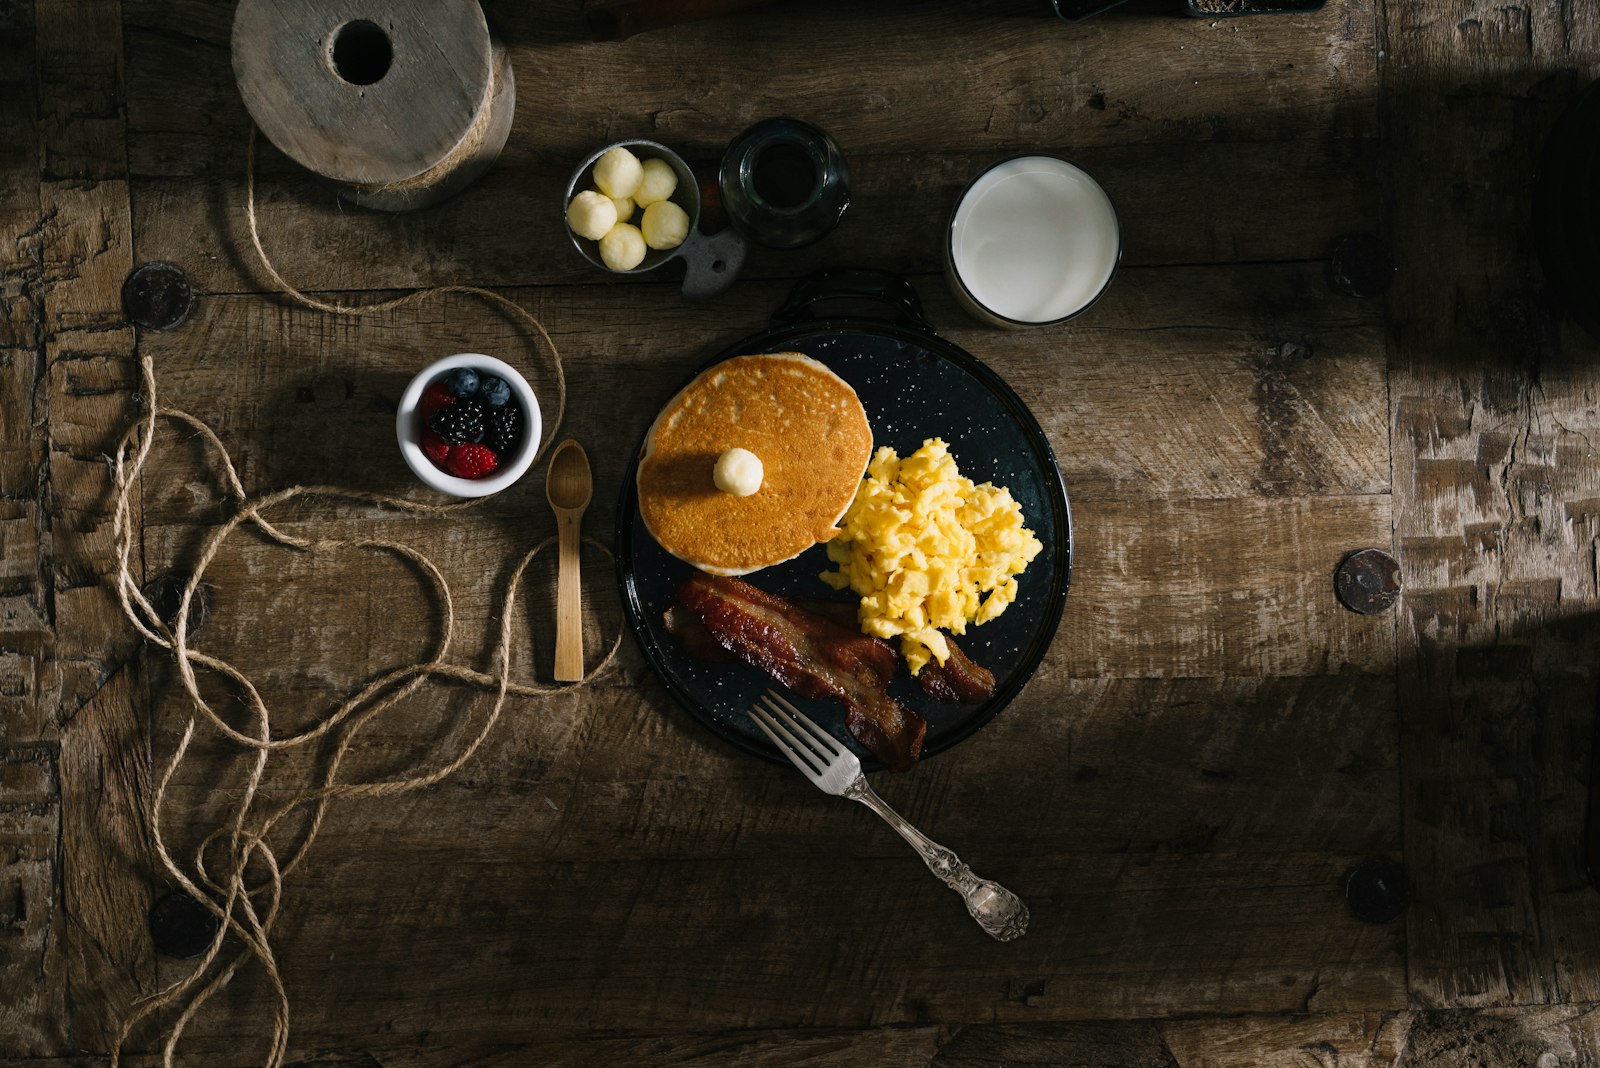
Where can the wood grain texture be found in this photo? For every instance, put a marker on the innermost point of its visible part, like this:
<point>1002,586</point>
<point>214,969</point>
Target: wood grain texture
<point>371,108</point>
<point>1209,748</point>
<point>1504,1038</point>
<point>1122,122</point>
<point>1282,398</point>
<point>1495,466</point>
<point>31,925</point>
<point>82,396</point>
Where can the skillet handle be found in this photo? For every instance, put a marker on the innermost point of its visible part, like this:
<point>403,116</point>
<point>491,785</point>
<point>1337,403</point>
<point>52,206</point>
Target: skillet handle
<point>856,283</point>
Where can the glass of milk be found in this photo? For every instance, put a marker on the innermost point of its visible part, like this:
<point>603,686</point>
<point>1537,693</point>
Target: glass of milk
<point>1033,241</point>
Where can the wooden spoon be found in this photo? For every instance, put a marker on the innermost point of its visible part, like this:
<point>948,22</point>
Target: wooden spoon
<point>568,485</point>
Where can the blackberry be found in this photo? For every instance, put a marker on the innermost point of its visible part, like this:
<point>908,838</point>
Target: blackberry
<point>502,428</point>
<point>459,422</point>
<point>463,382</point>
<point>493,391</point>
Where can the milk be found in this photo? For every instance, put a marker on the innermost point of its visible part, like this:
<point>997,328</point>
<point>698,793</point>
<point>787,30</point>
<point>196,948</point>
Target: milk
<point>1033,240</point>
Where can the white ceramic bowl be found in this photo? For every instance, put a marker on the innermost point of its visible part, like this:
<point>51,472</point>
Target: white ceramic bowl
<point>408,427</point>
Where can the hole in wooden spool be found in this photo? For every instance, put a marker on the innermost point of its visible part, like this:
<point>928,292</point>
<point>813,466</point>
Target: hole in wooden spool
<point>361,52</point>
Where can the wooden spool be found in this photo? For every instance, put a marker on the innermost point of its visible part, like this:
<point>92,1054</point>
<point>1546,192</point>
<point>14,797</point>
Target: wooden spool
<point>400,103</point>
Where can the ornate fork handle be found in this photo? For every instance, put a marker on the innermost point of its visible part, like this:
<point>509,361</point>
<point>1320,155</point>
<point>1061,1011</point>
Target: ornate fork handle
<point>997,910</point>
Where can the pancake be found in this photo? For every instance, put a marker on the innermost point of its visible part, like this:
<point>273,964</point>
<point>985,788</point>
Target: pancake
<point>802,421</point>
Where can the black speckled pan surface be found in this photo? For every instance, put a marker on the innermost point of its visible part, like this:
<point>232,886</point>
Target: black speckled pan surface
<point>914,385</point>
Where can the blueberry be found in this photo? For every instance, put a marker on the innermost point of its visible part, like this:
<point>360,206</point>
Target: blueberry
<point>494,391</point>
<point>463,382</point>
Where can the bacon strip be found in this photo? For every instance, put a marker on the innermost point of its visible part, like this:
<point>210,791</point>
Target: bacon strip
<point>812,656</point>
<point>959,680</point>
<point>692,634</point>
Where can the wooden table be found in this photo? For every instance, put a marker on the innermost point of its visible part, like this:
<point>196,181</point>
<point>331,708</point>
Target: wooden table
<point>1212,746</point>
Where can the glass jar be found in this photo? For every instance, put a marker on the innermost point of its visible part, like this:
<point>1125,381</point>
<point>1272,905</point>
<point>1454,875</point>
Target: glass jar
<point>784,183</point>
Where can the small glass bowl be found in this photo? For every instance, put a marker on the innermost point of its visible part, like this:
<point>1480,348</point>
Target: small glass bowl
<point>408,427</point>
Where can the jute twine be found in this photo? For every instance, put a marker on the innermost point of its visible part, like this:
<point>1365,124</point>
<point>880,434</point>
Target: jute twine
<point>247,910</point>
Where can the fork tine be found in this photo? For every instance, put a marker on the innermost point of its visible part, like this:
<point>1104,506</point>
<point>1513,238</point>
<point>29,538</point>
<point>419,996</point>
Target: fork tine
<point>822,739</point>
<point>796,726</point>
<point>798,754</point>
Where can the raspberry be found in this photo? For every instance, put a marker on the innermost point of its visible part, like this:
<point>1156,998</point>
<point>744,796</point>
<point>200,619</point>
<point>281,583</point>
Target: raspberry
<point>472,461</point>
<point>502,428</point>
<point>434,398</point>
<point>436,448</point>
<point>462,421</point>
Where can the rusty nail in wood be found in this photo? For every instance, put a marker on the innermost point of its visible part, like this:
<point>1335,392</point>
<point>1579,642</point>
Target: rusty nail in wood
<point>165,593</point>
<point>157,296</point>
<point>1359,265</point>
<point>181,927</point>
<point>1368,581</point>
<point>1375,890</point>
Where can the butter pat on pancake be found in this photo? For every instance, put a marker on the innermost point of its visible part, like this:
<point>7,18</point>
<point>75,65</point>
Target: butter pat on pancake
<point>803,422</point>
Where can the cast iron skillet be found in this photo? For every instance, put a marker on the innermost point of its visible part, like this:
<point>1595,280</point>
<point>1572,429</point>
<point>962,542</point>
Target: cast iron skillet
<point>914,385</point>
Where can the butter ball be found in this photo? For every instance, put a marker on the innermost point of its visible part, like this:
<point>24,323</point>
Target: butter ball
<point>665,225</point>
<point>591,214</point>
<point>624,208</point>
<point>738,472</point>
<point>618,173</point>
<point>622,249</point>
<point>658,182</point>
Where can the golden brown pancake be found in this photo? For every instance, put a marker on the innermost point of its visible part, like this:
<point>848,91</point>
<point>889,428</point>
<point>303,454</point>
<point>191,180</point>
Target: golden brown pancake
<point>802,421</point>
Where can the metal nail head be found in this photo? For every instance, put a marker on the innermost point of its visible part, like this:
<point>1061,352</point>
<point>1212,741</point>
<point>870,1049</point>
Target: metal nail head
<point>157,296</point>
<point>1368,581</point>
<point>181,927</point>
<point>1375,890</point>
<point>1359,265</point>
<point>165,594</point>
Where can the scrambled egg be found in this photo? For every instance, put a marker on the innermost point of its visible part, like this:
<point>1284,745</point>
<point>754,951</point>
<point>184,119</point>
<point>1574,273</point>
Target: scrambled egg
<point>922,546</point>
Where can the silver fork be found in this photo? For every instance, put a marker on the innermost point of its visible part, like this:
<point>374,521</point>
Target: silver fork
<point>835,769</point>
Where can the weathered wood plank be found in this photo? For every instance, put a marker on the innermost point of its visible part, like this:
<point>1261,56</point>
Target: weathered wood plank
<point>1495,467</point>
<point>32,1008</point>
<point>621,773</point>
<point>90,383</point>
<point>85,398</point>
<point>1007,79</point>
<point>607,882</point>
<point>1172,149</point>
<point>1107,778</point>
<point>898,208</point>
<point>1496,1038</point>
<point>1203,588</point>
<point>24,612</point>
<point>1491,1038</point>
<point>1361,1040</point>
<point>1271,404</point>
<point>719,957</point>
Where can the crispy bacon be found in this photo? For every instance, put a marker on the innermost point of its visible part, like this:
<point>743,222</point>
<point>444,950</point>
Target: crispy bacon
<point>814,657</point>
<point>958,680</point>
<point>684,625</point>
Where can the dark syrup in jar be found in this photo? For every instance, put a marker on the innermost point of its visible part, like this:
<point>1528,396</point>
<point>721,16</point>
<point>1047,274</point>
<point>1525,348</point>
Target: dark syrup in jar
<point>784,176</point>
